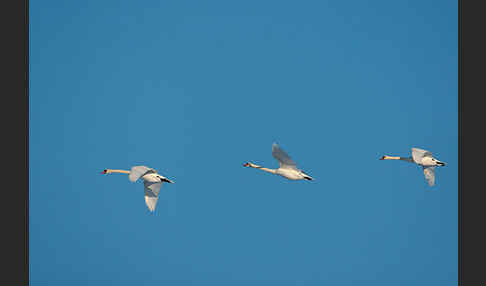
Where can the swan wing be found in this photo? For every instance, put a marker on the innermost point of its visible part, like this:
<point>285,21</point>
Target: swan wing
<point>151,194</point>
<point>138,171</point>
<point>429,175</point>
<point>282,157</point>
<point>418,154</point>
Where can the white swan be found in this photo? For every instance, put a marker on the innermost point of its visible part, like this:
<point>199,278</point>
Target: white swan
<point>287,169</point>
<point>422,158</point>
<point>151,182</point>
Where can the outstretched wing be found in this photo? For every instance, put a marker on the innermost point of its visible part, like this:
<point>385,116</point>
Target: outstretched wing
<point>138,171</point>
<point>429,175</point>
<point>151,194</point>
<point>282,157</point>
<point>418,154</point>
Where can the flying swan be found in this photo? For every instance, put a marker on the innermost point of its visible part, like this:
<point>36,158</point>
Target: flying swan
<point>422,158</point>
<point>151,182</point>
<point>287,169</point>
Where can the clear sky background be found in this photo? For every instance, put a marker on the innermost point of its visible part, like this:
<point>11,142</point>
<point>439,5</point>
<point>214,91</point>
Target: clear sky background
<point>195,89</point>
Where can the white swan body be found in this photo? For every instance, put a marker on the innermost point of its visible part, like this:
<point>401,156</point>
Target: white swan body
<point>422,158</point>
<point>292,174</point>
<point>287,169</point>
<point>152,182</point>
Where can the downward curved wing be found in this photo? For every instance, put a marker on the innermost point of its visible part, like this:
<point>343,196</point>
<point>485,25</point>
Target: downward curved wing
<point>429,175</point>
<point>282,157</point>
<point>152,191</point>
<point>138,171</point>
<point>418,154</point>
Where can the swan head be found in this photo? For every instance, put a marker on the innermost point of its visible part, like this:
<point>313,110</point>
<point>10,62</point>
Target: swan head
<point>385,157</point>
<point>250,165</point>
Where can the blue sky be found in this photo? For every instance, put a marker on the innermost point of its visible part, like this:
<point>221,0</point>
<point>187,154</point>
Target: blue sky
<point>195,90</point>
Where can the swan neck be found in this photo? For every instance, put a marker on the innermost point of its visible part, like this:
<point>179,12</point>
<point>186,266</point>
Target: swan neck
<point>109,171</point>
<point>268,170</point>
<point>262,168</point>
<point>408,159</point>
<point>391,158</point>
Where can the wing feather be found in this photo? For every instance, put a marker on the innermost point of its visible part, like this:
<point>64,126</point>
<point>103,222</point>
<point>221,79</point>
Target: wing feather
<point>429,175</point>
<point>138,171</point>
<point>418,154</point>
<point>282,157</point>
<point>152,191</point>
